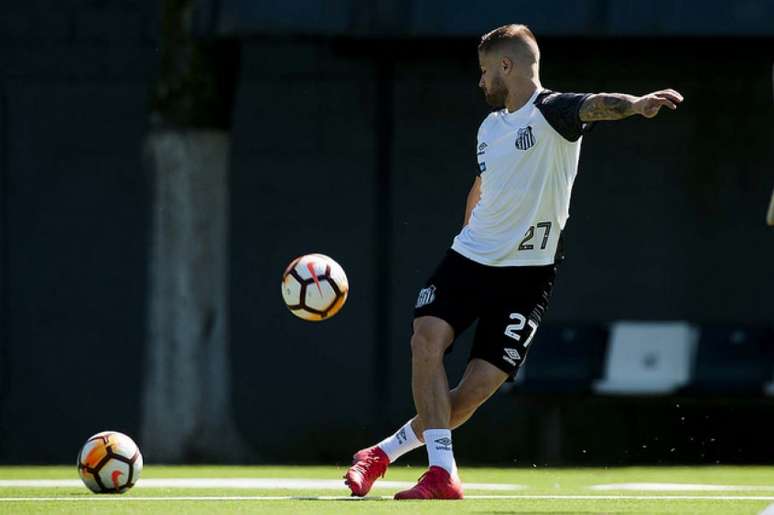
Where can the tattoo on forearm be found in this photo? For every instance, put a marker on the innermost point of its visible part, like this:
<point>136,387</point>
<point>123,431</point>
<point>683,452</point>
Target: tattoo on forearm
<point>606,106</point>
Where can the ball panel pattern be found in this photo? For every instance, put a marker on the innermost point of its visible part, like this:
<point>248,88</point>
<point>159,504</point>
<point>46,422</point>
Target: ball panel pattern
<point>291,290</point>
<point>116,474</point>
<point>320,296</point>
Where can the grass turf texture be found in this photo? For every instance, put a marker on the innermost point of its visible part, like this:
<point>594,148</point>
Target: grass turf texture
<point>557,483</point>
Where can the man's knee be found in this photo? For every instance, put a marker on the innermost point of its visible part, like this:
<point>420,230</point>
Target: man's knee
<point>426,346</point>
<point>428,342</point>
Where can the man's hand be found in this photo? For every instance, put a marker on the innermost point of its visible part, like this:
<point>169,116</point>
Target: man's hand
<point>649,105</point>
<point>616,106</point>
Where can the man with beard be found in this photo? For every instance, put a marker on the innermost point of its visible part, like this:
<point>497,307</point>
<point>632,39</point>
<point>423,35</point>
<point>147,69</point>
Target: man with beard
<point>501,266</point>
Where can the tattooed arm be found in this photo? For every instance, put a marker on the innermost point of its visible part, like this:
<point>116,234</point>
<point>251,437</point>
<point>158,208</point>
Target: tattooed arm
<point>615,106</point>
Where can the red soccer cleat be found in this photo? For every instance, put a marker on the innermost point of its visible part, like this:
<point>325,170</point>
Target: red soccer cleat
<point>368,465</point>
<point>436,483</point>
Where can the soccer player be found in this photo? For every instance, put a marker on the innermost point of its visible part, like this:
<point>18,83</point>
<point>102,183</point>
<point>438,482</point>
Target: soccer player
<point>501,266</point>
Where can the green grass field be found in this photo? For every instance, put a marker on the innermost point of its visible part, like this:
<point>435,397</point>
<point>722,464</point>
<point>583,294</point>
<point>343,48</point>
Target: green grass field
<point>704,490</point>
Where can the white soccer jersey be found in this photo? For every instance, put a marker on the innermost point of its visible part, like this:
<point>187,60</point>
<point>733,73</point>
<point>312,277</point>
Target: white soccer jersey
<point>528,160</point>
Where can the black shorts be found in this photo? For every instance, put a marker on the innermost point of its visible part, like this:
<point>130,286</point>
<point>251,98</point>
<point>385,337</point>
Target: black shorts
<point>508,303</point>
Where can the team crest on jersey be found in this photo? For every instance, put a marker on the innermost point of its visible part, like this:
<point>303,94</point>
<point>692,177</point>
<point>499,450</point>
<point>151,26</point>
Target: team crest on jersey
<point>426,296</point>
<point>525,139</point>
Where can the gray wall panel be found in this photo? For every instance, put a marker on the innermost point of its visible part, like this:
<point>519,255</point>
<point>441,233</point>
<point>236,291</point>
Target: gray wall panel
<point>76,285</point>
<point>302,182</point>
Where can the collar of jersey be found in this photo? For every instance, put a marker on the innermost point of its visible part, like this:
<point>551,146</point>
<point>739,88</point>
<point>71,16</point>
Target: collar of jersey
<point>527,105</point>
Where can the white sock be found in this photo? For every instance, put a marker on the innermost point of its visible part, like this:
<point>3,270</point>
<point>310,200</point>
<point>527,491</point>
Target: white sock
<point>439,449</point>
<point>403,441</point>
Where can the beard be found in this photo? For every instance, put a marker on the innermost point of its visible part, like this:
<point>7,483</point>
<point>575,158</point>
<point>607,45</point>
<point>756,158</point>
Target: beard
<point>496,94</point>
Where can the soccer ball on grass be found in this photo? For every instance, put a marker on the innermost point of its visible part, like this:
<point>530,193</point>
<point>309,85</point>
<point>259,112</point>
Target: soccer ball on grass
<point>109,463</point>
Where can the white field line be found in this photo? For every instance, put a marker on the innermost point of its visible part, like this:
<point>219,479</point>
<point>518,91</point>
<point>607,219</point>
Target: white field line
<point>361,499</point>
<point>681,487</point>
<point>244,483</point>
<point>335,484</point>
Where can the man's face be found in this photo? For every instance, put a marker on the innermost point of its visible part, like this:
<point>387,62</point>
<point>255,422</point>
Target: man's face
<point>492,82</point>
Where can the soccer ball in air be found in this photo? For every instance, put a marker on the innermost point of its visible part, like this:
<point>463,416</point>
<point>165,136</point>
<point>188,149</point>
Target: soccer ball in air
<point>109,463</point>
<point>314,287</point>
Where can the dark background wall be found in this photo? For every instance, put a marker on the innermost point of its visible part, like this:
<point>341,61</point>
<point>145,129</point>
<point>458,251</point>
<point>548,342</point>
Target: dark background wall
<point>666,221</point>
<point>75,77</point>
<point>444,18</point>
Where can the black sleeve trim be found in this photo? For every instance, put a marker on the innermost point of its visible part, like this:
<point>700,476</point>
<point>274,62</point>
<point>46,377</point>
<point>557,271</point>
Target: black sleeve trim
<point>562,112</point>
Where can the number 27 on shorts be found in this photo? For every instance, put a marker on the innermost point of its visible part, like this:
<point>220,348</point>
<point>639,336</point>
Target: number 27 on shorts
<point>513,330</point>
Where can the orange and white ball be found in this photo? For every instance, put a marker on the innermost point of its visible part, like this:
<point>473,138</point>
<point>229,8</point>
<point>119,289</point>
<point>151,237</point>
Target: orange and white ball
<point>109,462</point>
<point>314,287</point>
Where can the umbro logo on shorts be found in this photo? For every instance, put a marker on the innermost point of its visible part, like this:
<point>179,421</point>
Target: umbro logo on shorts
<point>525,139</point>
<point>511,355</point>
<point>443,444</point>
<point>426,296</point>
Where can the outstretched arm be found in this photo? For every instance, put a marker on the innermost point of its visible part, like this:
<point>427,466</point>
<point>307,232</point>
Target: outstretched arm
<point>616,106</point>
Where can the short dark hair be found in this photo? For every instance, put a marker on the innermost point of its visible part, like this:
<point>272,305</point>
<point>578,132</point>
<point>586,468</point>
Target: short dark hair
<point>518,37</point>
